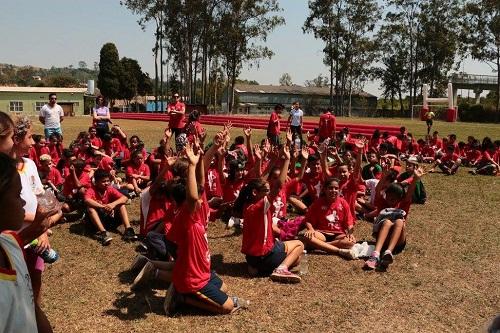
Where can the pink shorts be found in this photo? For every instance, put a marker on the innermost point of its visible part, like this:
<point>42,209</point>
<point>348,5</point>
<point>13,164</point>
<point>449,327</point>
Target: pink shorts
<point>34,261</point>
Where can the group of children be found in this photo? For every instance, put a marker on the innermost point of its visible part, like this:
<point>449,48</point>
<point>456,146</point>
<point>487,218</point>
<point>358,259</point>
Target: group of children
<point>285,198</point>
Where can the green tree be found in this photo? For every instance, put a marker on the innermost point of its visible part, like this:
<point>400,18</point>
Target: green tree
<point>482,34</point>
<point>285,80</point>
<point>108,80</point>
<point>63,81</point>
<point>319,81</point>
<point>346,27</point>
<point>82,64</point>
<point>243,23</point>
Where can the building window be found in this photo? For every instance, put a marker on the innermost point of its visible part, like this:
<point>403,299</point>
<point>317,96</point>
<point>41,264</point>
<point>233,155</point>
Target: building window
<point>39,105</point>
<point>16,106</point>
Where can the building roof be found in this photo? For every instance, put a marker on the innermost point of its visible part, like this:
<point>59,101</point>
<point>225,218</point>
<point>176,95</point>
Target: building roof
<point>47,90</point>
<point>290,90</point>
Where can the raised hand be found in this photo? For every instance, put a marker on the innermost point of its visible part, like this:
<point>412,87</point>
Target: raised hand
<point>191,156</point>
<point>305,153</point>
<point>289,135</point>
<point>167,133</point>
<point>286,152</point>
<point>360,144</point>
<point>419,172</point>
<point>257,152</point>
<point>248,131</point>
<point>322,148</point>
<point>267,146</point>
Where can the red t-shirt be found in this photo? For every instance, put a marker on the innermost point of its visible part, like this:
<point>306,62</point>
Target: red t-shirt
<point>333,218</point>
<point>349,190</point>
<point>212,184</point>
<point>156,210</point>
<point>273,128</point>
<point>450,157</point>
<point>258,237</point>
<point>193,129</point>
<point>142,170</point>
<point>34,154</point>
<point>55,152</point>
<point>473,155</point>
<point>326,125</point>
<point>176,120</point>
<point>110,195</point>
<point>232,189</point>
<point>96,142</point>
<point>55,177</point>
<point>436,143</point>
<point>69,184</point>
<point>313,183</point>
<point>189,231</point>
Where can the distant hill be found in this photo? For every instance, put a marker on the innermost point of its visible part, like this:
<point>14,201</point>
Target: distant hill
<point>30,76</point>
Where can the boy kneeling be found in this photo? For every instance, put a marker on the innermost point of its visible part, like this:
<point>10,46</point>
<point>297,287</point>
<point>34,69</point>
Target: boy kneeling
<point>106,207</point>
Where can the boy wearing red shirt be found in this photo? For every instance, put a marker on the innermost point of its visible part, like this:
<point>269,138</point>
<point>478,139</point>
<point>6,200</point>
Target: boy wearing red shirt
<point>49,175</point>
<point>273,128</point>
<point>106,207</point>
<point>450,162</point>
<point>176,110</point>
<point>138,173</point>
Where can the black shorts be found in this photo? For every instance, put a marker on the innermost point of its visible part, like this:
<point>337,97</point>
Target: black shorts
<point>177,131</point>
<point>267,263</point>
<point>159,247</point>
<point>108,222</point>
<point>211,292</point>
<point>429,122</point>
<point>330,237</point>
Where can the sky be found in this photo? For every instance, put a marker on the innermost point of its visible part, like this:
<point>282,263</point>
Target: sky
<point>62,33</point>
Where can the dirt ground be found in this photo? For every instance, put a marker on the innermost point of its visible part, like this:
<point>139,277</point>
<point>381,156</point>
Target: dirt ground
<point>446,280</point>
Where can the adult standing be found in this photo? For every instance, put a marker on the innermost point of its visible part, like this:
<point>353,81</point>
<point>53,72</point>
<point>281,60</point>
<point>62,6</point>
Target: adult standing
<point>101,117</point>
<point>273,127</point>
<point>296,120</point>
<point>176,110</point>
<point>327,125</point>
<point>51,116</point>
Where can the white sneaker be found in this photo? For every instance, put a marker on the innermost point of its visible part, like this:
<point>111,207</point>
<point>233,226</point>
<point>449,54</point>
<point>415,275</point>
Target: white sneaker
<point>138,263</point>
<point>144,276</point>
<point>348,254</point>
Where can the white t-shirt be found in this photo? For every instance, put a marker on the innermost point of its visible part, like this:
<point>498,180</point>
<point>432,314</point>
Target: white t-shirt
<point>17,305</point>
<point>296,114</point>
<point>31,184</point>
<point>52,115</point>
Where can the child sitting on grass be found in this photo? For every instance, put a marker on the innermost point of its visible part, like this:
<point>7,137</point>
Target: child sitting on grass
<point>49,174</point>
<point>450,161</point>
<point>106,208</point>
<point>389,226</point>
<point>138,173</point>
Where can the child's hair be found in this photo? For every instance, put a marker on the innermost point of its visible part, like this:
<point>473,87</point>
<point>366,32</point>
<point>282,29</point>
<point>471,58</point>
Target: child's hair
<point>179,169</point>
<point>395,189</point>
<point>233,167</point>
<point>22,125</point>
<point>239,140</point>
<point>37,138</point>
<point>100,174</point>
<point>246,195</point>
<point>453,136</point>
<point>486,142</point>
<point>420,141</point>
<point>328,181</point>
<point>8,172</point>
<point>135,137</point>
<point>45,158</point>
<point>135,153</point>
<point>461,144</point>
<point>194,115</point>
<point>67,153</point>
<point>177,189</point>
<point>6,124</point>
<point>79,164</point>
<point>376,134</point>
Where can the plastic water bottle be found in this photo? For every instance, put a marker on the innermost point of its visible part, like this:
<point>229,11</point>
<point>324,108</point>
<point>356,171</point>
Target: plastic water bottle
<point>241,302</point>
<point>304,264</point>
<point>49,256</point>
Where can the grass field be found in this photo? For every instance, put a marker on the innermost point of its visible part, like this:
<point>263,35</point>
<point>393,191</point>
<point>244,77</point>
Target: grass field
<point>447,279</point>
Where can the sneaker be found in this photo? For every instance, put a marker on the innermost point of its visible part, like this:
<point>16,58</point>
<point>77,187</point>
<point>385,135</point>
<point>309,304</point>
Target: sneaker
<point>387,259</point>
<point>284,275</point>
<point>348,254</point>
<point>103,237</point>
<point>371,263</point>
<point>144,276</point>
<point>129,235</point>
<point>172,301</point>
<point>139,262</point>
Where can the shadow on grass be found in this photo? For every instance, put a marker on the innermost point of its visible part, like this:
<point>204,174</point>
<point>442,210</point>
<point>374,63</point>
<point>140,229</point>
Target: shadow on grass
<point>234,269</point>
<point>133,306</point>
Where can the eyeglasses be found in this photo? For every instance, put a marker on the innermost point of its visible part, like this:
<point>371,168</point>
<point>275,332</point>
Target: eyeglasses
<point>53,98</point>
<point>176,96</point>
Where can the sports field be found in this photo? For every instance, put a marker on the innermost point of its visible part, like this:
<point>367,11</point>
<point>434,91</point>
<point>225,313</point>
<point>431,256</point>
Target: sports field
<point>446,280</point>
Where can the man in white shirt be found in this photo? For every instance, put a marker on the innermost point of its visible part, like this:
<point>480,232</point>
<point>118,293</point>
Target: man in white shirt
<point>51,116</point>
<point>295,120</point>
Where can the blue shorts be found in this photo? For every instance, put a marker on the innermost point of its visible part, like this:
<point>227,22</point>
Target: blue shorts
<point>49,131</point>
<point>211,292</point>
<point>266,264</point>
